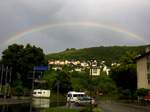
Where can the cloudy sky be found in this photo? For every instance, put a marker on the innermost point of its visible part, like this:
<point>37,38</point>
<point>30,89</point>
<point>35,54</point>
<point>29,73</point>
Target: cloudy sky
<point>55,25</point>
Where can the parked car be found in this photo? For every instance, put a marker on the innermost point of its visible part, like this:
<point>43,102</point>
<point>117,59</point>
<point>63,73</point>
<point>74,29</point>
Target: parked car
<point>84,101</point>
<point>72,96</point>
<point>147,97</point>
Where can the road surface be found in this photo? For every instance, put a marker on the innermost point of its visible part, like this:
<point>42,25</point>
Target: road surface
<point>14,101</point>
<point>120,107</point>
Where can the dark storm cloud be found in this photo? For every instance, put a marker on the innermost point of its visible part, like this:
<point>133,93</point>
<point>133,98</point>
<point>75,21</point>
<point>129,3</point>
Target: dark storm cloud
<point>77,37</point>
<point>21,15</point>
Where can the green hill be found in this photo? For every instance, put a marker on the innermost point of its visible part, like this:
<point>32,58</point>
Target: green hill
<point>109,54</point>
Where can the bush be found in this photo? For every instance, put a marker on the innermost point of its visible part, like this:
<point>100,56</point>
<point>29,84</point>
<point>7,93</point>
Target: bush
<point>60,110</point>
<point>142,92</point>
<point>93,110</point>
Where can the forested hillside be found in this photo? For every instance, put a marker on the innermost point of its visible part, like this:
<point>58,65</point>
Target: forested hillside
<point>111,53</point>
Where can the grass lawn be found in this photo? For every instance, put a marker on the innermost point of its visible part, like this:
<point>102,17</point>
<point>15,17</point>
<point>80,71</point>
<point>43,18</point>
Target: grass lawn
<point>71,110</point>
<point>60,110</point>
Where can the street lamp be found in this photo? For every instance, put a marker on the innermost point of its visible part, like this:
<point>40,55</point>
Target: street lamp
<point>92,63</point>
<point>90,88</point>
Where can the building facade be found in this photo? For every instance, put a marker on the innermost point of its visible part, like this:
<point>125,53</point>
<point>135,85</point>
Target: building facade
<point>143,71</point>
<point>95,71</point>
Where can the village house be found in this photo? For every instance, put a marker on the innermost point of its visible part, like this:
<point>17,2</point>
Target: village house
<point>95,71</point>
<point>80,66</point>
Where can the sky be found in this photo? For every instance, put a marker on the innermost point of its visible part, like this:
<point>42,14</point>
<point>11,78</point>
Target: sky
<point>55,25</point>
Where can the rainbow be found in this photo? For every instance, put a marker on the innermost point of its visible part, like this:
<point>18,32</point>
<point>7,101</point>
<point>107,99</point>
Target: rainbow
<point>81,24</point>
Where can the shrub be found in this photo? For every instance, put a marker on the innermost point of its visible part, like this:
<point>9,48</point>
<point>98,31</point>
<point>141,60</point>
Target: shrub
<point>60,110</point>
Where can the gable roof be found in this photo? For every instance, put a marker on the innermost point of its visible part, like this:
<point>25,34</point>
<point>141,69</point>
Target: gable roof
<point>142,55</point>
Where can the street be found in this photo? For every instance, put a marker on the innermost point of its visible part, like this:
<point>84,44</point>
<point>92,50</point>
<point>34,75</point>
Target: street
<point>120,107</point>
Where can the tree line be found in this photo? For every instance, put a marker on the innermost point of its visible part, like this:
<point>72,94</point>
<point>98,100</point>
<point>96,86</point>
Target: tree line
<point>122,80</point>
<point>109,54</point>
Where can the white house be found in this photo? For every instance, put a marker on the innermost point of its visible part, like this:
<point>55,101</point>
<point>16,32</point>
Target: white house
<point>95,71</point>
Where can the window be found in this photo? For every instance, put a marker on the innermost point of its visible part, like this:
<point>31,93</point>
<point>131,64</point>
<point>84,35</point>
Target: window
<point>39,92</point>
<point>75,95</point>
<point>148,63</point>
<point>148,68</point>
<point>94,71</point>
<point>81,95</point>
<point>69,95</point>
<point>148,78</point>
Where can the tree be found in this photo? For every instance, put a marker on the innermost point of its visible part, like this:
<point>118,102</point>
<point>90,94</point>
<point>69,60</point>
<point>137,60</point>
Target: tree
<point>129,57</point>
<point>103,84</point>
<point>142,92</point>
<point>125,75</point>
<point>79,81</point>
<point>18,86</point>
<point>50,76</point>
<point>62,81</point>
<point>23,59</point>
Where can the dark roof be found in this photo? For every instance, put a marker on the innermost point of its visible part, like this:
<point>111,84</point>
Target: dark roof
<point>142,55</point>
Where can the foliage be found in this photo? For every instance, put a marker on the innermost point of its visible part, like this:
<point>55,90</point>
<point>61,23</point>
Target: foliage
<point>87,109</point>
<point>58,79</point>
<point>99,53</point>
<point>50,77</point>
<point>125,76</point>
<point>126,94</point>
<point>79,81</point>
<point>128,58</point>
<point>142,92</point>
<point>97,110</point>
<point>104,84</point>
<point>22,59</point>
<point>54,97</point>
<point>71,110</point>
<point>70,49</point>
<point>18,86</point>
<point>62,82</point>
<point>60,110</point>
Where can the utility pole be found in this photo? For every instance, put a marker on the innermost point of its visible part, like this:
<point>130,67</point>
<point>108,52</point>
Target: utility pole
<point>6,83</point>
<point>2,71</point>
<point>57,84</point>
<point>91,89</point>
<point>10,73</point>
<point>33,82</point>
<point>33,78</point>
<point>90,78</point>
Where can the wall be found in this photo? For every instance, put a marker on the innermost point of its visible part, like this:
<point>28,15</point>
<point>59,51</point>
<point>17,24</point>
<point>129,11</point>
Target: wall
<point>142,81</point>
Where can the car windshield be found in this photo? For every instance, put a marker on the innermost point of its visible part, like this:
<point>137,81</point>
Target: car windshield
<point>84,98</point>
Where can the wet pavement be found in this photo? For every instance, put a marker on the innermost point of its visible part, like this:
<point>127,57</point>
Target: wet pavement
<point>38,104</point>
<point>14,101</point>
<point>121,107</point>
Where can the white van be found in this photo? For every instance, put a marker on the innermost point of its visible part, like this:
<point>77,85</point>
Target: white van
<point>41,93</point>
<point>72,96</point>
